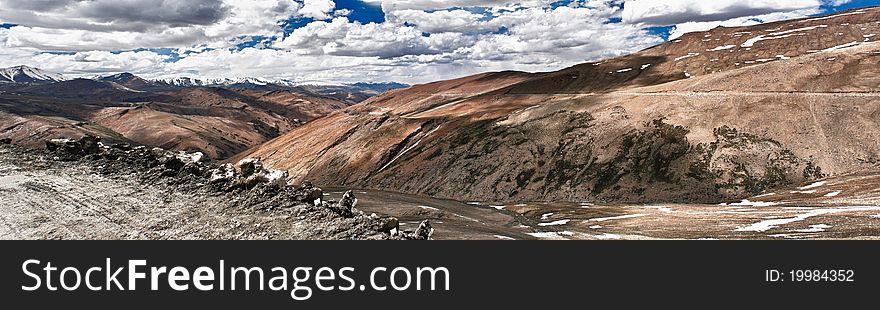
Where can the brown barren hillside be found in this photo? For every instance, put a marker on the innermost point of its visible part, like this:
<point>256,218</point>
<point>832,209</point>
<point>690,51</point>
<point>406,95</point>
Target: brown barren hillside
<point>219,122</point>
<point>718,50</point>
<point>721,114</point>
<point>304,107</point>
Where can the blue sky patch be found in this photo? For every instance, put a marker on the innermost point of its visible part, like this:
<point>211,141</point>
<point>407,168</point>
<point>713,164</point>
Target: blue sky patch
<point>850,5</point>
<point>361,11</point>
<point>253,41</point>
<point>502,30</point>
<point>292,24</point>
<point>557,4</point>
<point>663,32</point>
<point>60,53</point>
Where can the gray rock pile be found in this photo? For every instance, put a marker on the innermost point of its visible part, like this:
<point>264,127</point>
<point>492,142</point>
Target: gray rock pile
<point>345,206</point>
<point>69,149</point>
<point>250,183</point>
<point>253,173</point>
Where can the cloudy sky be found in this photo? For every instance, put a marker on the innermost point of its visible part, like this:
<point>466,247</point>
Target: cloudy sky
<point>332,41</point>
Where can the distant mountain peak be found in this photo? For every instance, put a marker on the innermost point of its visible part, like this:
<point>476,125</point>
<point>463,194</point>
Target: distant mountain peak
<point>191,82</point>
<point>122,75</point>
<point>122,78</point>
<point>223,82</point>
<point>29,75</point>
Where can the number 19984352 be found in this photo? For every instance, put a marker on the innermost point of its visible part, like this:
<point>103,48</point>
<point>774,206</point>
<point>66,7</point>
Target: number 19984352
<point>810,275</point>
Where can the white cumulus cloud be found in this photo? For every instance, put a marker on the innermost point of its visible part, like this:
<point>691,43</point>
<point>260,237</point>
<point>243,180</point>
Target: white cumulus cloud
<point>700,15</point>
<point>419,41</point>
<point>317,9</point>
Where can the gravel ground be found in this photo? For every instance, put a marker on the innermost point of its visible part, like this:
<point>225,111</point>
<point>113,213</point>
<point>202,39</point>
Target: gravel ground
<point>42,197</point>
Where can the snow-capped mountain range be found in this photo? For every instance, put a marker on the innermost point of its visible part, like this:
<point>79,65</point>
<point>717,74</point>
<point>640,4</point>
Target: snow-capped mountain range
<point>190,82</point>
<point>29,75</point>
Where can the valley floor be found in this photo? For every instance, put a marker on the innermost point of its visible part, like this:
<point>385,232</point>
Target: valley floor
<point>574,221</point>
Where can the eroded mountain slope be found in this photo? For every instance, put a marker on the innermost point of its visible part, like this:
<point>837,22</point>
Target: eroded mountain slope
<point>744,122</point>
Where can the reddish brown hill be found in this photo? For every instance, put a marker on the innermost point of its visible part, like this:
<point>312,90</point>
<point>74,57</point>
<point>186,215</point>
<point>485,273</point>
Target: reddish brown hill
<point>216,121</point>
<point>304,107</point>
<point>765,106</point>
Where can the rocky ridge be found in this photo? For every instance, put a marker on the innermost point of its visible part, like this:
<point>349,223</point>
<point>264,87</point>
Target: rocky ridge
<point>248,185</point>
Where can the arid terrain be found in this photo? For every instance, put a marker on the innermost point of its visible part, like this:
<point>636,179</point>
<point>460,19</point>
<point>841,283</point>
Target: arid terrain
<point>759,132</point>
<point>96,197</point>
<point>843,207</point>
<point>118,192</point>
<point>220,121</point>
<point>712,116</point>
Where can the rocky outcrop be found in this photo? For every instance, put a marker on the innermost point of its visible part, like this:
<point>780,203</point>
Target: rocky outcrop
<point>741,164</point>
<point>345,206</point>
<point>389,225</point>
<point>224,173</point>
<point>253,173</point>
<point>69,149</point>
<point>251,185</point>
<point>424,231</point>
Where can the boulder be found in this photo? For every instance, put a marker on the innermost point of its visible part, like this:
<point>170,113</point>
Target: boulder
<point>90,145</point>
<point>172,163</point>
<point>268,176</point>
<point>309,193</point>
<point>249,166</point>
<point>348,200</point>
<point>424,231</point>
<point>313,194</point>
<point>156,153</point>
<point>253,173</point>
<point>192,169</point>
<point>389,225</point>
<point>125,147</point>
<point>190,158</point>
<point>345,206</point>
<point>225,173</point>
<point>65,149</point>
<point>54,145</point>
<point>69,149</point>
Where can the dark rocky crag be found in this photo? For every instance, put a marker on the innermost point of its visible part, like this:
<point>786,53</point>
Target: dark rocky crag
<point>654,161</point>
